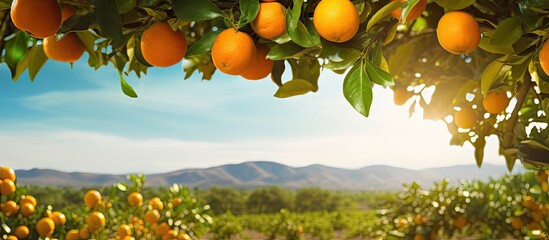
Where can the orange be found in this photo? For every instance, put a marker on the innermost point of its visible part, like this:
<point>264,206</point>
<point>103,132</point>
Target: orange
<point>270,22</point>
<point>495,102</point>
<point>59,218</point>
<point>418,237</point>
<point>66,12</point>
<point>171,234</point>
<point>124,230</point>
<point>184,236</point>
<point>262,66</point>
<point>466,118</point>
<point>420,220</point>
<point>336,20</point>
<point>95,221</point>
<point>27,199</point>
<point>152,217</point>
<point>162,228</point>
<point>544,57</point>
<point>460,222</point>
<point>40,18</point>
<point>233,52</point>
<point>416,11</point>
<point>135,199</point>
<point>10,208</point>
<point>161,46</point>
<point>27,209</point>
<point>45,227</point>
<point>21,232</point>
<point>92,198</point>
<point>7,187</point>
<point>401,95</point>
<point>7,173</point>
<point>156,203</point>
<point>458,32</point>
<point>84,233</point>
<point>527,202</point>
<point>72,235</point>
<point>68,49</point>
<point>176,201</point>
<point>11,237</point>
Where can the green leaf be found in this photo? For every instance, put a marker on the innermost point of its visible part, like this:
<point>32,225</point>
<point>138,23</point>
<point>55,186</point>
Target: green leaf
<point>292,16</point>
<point>248,11</point>
<point>16,48</point>
<point>507,32</point>
<point>479,144</point>
<point>488,47</point>
<point>108,19</point>
<point>406,8</point>
<point>278,70</point>
<point>453,4</point>
<point>77,23</point>
<point>284,51</point>
<point>490,75</point>
<point>382,13</point>
<point>126,88</point>
<point>39,58</point>
<point>204,44</point>
<point>195,10</point>
<point>357,89</point>
<point>5,4</point>
<point>94,57</point>
<point>378,76</point>
<point>305,36</point>
<point>293,88</point>
<point>400,59</point>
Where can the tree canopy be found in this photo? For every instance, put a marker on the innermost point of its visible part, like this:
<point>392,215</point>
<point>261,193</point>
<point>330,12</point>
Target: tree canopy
<point>451,83</point>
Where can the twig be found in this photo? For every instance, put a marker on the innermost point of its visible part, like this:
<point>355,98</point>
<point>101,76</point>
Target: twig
<point>521,96</point>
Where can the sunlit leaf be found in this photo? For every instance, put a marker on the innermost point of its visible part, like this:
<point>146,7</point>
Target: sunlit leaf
<point>195,10</point>
<point>357,89</point>
<point>293,88</point>
<point>382,13</point>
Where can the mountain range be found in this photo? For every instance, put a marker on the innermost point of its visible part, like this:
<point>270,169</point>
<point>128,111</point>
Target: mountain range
<point>262,173</point>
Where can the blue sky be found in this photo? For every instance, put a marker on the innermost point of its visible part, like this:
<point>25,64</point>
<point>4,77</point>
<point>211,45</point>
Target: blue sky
<point>79,120</point>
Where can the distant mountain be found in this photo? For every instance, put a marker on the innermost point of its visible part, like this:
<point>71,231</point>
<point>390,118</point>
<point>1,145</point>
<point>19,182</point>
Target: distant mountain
<point>257,174</point>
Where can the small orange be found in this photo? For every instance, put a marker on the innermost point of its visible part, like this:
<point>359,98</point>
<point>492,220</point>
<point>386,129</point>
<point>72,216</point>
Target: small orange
<point>21,232</point>
<point>495,102</point>
<point>124,230</point>
<point>59,218</point>
<point>170,235</point>
<point>466,118</point>
<point>176,201</point>
<point>7,173</point>
<point>262,66</point>
<point>66,12</point>
<point>45,227</point>
<point>156,203</point>
<point>92,198</point>
<point>27,199</point>
<point>162,228</point>
<point>72,235</point>
<point>10,208</point>
<point>270,22</point>
<point>152,217</point>
<point>460,222</point>
<point>416,11</point>
<point>544,57</point>
<point>161,46</point>
<point>233,52</point>
<point>96,220</point>
<point>7,187</point>
<point>27,209</point>
<point>84,233</point>
<point>336,20</point>
<point>401,95</point>
<point>11,237</point>
<point>41,18</point>
<point>135,199</point>
<point>68,49</point>
<point>184,236</point>
<point>458,32</point>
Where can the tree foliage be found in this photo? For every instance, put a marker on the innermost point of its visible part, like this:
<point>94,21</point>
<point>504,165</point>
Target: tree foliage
<point>385,51</point>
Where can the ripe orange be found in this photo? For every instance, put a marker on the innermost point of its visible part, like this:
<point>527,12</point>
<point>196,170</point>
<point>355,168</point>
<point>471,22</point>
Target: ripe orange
<point>84,233</point>
<point>40,18</point>
<point>544,57</point>
<point>68,49</point>
<point>270,22</point>
<point>27,209</point>
<point>21,232</point>
<point>262,66</point>
<point>66,12</point>
<point>7,187</point>
<point>458,32</point>
<point>495,102</point>
<point>92,198</point>
<point>7,173</point>
<point>176,201</point>
<point>123,231</point>
<point>72,235</point>
<point>27,199</point>
<point>466,118</point>
<point>170,235</point>
<point>233,52</point>
<point>45,227</point>
<point>162,228</point>
<point>161,46</point>
<point>336,20</point>
<point>135,199</point>
<point>401,95</point>
<point>10,208</point>
<point>156,203</point>
<point>59,218</point>
<point>96,220</point>
<point>460,222</point>
<point>152,216</point>
<point>184,236</point>
<point>11,237</point>
<point>416,11</point>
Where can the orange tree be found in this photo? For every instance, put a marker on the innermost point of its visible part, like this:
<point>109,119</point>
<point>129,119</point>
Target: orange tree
<point>481,66</point>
